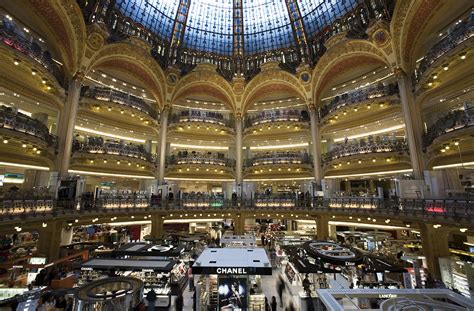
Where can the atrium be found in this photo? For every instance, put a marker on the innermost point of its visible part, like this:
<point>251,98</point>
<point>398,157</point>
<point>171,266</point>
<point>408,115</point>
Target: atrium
<point>264,154</point>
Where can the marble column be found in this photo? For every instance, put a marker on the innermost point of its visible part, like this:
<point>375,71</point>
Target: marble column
<point>49,240</point>
<point>162,144</point>
<point>238,151</point>
<point>157,226</point>
<point>66,122</point>
<point>316,140</point>
<point>322,227</point>
<point>413,123</point>
<point>434,243</point>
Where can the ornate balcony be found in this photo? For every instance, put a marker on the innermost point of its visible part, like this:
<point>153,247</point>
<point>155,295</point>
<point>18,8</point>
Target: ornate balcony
<point>122,99</point>
<point>354,99</point>
<point>9,36</point>
<point>459,34</point>
<point>12,122</point>
<point>279,158</point>
<point>451,122</point>
<point>199,117</point>
<point>277,119</point>
<point>352,149</point>
<point>97,146</point>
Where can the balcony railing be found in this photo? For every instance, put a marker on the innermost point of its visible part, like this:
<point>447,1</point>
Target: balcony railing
<point>121,98</point>
<point>9,35</point>
<point>443,210</point>
<point>279,158</point>
<point>200,159</point>
<point>453,121</point>
<point>350,149</point>
<point>356,97</point>
<point>277,116</point>
<point>96,145</point>
<point>460,33</point>
<point>210,117</point>
<point>19,122</point>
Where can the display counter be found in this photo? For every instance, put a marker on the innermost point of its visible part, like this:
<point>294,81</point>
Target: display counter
<point>230,278</point>
<point>231,240</point>
<point>138,250</point>
<point>165,277</point>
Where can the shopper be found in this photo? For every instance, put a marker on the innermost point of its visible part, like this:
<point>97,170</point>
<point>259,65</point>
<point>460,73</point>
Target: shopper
<point>274,304</point>
<point>267,305</point>
<point>280,288</point>
<point>191,278</point>
<point>179,302</point>
<point>151,298</point>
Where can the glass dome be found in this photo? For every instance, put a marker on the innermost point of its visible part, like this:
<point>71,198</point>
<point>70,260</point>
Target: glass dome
<point>224,27</point>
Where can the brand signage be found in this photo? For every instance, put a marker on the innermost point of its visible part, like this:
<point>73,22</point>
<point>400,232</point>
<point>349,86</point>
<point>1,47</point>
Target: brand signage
<point>231,271</point>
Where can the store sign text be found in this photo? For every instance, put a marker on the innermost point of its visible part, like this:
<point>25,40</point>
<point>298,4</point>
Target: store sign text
<point>231,271</point>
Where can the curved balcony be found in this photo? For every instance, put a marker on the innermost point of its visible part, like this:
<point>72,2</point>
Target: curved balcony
<point>96,146</point>
<point>277,121</point>
<point>209,117</point>
<point>351,149</point>
<point>459,34</point>
<point>279,158</point>
<point>453,121</point>
<point>18,122</point>
<point>9,35</point>
<point>200,160</point>
<point>120,98</point>
<point>355,98</point>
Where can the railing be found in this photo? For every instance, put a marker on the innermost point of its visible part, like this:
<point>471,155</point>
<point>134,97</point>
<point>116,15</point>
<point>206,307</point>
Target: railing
<point>201,116</point>
<point>19,122</point>
<point>453,121</point>
<point>121,98</point>
<point>349,149</point>
<point>450,210</point>
<point>277,116</point>
<point>357,97</point>
<point>97,146</point>
<point>10,37</point>
<point>279,158</point>
<point>458,35</point>
<point>200,159</point>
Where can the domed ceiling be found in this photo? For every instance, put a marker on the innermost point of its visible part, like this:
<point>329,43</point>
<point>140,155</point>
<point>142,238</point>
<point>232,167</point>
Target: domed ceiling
<point>230,27</point>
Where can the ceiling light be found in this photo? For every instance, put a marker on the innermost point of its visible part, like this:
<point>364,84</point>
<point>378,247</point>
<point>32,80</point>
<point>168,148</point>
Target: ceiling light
<point>446,66</point>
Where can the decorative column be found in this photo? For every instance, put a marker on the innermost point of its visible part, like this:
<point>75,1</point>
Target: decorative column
<point>49,239</point>
<point>322,228</point>
<point>316,139</point>
<point>238,151</point>
<point>157,226</point>
<point>162,143</point>
<point>413,123</point>
<point>434,243</point>
<point>66,122</point>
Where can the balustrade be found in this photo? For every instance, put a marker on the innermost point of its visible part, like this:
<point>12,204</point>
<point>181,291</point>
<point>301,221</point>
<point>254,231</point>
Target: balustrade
<point>357,97</point>
<point>19,122</point>
<point>452,121</point>
<point>184,158</point>
<point>96,145</point>
<point>290,115</point>
<point>456,36</point>
<point>436,209</point>
<point>279,158</point>
<point>350,149</point>
<point>10,35</point>
<point>201,116</point>
<point>134,102</point>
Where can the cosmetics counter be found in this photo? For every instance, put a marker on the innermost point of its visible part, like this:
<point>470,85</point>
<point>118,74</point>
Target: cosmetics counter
<point>165,277</point>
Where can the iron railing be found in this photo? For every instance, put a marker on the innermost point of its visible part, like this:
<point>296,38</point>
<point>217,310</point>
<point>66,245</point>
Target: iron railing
<point>350,149</point>
<point>19,122</point>
<point>279,158</point>
<point>452,121</point>
<point>201,116</point>
<point>288,115</point>
<point>356,97</point>
<point>200,159</point>
<point>134,102</point>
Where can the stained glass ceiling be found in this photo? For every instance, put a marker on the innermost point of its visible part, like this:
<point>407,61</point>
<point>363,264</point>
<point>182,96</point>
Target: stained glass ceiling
<point>214,25</point>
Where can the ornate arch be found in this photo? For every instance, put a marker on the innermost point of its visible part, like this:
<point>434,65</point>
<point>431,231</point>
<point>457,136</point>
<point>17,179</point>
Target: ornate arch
<point>135,61</point>
<point>65,23</point>
<point>409,20</point>
<point>271,79</point>
<point>341,56</point>
<point>205,80</point>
